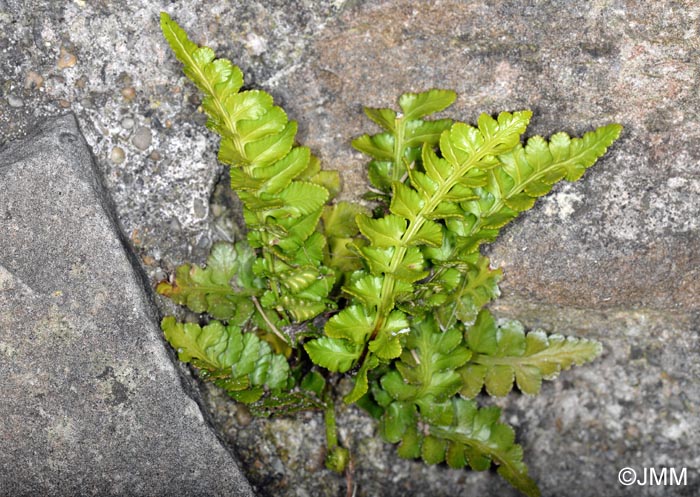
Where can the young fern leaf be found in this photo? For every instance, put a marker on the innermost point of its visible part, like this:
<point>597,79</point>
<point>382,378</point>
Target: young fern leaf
<point>240,363</point>
<point>458,289</point>
<point>395,150</point>
<point>421,412</point>
<point>341,232</point>
<point>503,353</point>
<point>279,184</point>
<point>223,289</point>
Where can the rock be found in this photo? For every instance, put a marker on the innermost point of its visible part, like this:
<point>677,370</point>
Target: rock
<point>128,123</point>
<point>142,138</point>
<point>34,80</point>
<point>117,155</point>
<point>15,101</point>
<point>66,59</point>
<point>92,403</point>
<point>129,93</point>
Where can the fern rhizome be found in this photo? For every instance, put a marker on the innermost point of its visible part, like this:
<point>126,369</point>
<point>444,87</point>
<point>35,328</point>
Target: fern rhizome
<point>392,297</point>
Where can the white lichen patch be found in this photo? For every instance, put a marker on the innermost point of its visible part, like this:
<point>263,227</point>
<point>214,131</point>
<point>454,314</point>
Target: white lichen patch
<point>562,204</point>
<point>256,44</point>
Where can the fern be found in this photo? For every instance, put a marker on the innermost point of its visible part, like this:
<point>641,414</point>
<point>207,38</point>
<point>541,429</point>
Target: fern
<point>393,297</point>
<point>222,289</point>
<point>503,352</point>
<point>280,184</point>
<point>241,364</point>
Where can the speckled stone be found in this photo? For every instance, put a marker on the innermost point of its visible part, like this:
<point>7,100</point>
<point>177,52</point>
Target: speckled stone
<point>91,401</point>
<point>142,138</point>
<point>15,101</point>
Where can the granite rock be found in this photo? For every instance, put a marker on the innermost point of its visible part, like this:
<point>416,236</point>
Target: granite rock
<point>92,402</point>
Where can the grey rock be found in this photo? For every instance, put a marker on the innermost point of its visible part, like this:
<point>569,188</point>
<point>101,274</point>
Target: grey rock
<point>92,403</point>
<point>142,138</point>
<point>128,123</point>
<point>15,101</point>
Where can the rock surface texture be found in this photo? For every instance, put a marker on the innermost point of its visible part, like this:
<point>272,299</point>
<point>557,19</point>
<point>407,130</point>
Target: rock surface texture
<point>92,403</point>
<point>615,256</point>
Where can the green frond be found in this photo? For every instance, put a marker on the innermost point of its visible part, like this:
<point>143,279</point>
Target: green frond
<point>504,353</point>
<point>279,184</point>
<point>423,414</point>
<point>522,174</point>
<point>240,363</point>
<point>223,289</point>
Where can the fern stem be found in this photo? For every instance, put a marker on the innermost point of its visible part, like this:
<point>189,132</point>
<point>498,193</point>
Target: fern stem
<point>329,419</point>
<point>399,146</point>
<point>387,293</point>
<point>269,323</point>
<point>337,457</point>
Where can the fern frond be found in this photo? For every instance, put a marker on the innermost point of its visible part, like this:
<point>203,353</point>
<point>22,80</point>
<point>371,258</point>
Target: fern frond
<point>280,184</point>
<point>472,436</point>
<point>395,241</point>
<point>397,148</point>
<point>523,174</point>
<point>421,412</point>
<point>240,363</point>
<point>223,289</point>
<point>504,353</point>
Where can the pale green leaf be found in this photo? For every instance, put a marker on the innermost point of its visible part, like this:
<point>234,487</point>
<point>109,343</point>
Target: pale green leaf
<point>383,117</point>
<point>335,354</point>
<point>366,287</point>
<point>417,105</point>
<point>222,289</point>
<point>383,232</point>
<point>353,323</point>
<point>405,201</point>
<point>272,148</point>
<point>506,353</point>
<point>379,146</point>
<point>272,122</point>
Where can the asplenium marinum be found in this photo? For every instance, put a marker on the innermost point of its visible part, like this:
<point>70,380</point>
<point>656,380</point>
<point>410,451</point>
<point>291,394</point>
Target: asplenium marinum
<point>393,298</point>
